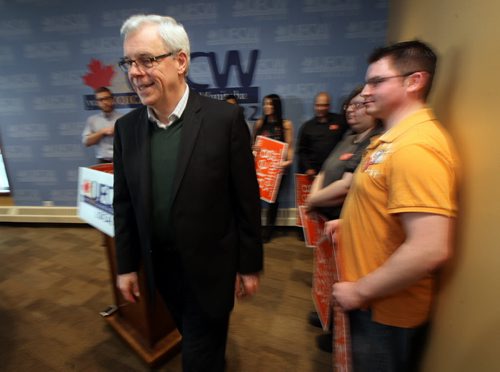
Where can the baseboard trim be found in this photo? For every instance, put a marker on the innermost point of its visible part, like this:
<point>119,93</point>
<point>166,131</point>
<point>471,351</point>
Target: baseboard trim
<point>286,217</point>
<point>40,214</point>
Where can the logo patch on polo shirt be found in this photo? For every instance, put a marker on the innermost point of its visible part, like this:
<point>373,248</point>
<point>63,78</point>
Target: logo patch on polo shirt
<point>376,157</point>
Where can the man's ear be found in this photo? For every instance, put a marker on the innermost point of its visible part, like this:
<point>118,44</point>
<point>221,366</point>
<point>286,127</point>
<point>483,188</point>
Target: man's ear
<point>182,62</point>
<point>417,82</point>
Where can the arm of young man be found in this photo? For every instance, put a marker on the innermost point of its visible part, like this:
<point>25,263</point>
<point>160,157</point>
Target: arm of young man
<point>427,246</point>
<point>95,137</point>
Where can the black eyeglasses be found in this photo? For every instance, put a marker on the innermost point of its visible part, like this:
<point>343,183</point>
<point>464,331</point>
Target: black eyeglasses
<point>354,106</point>
<point>376,81</point>
<point>143,62</point>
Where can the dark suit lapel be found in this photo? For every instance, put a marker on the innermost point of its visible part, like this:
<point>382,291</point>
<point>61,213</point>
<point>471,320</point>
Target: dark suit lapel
<point>144,159</point>
<point>191,124</point>
<point>143,165</point>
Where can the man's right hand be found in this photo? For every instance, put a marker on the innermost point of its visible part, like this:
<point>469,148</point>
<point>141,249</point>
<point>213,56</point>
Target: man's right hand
<point>108,131</point>
<point>128,284</point>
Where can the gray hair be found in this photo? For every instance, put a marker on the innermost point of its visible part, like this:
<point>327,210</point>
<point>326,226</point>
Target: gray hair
<point>173,33</point>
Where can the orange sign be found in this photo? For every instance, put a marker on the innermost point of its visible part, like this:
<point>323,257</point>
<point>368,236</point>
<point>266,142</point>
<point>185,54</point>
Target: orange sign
<point>303,184</point>
<point>341,341</point>
<point>323,281</point>
<point>341,334</point>
<point>269,154</point>
<point>313,225</point>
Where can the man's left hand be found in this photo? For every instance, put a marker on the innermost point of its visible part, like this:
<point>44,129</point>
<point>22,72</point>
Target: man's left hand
<point>246,285</point>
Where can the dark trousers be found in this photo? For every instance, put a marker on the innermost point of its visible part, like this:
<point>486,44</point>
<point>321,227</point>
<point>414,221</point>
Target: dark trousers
<point>272,210</point>
<point>381,348</point>
<point>203,337</point>
<point>272,213</point>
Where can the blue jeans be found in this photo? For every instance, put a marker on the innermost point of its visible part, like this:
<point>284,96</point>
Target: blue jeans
<point>381,348</point>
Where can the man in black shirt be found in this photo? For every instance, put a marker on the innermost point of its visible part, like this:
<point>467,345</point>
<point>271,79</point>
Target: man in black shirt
<point>318,136</point>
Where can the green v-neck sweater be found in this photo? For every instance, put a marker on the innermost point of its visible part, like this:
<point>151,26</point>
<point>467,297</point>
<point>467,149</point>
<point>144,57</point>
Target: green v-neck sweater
<point>165,145</point>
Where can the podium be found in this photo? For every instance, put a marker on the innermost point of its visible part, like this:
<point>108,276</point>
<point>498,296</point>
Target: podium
<point>146,326</point>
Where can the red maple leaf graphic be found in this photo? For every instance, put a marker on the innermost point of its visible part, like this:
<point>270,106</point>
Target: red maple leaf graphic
<point>99,75</point>
<point>86,187</point>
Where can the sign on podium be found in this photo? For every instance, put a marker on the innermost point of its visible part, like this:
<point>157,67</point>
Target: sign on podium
<point>95,198</point>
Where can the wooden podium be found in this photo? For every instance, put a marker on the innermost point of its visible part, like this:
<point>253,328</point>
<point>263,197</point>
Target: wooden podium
<point>149,330</point>
<point>146,326</point>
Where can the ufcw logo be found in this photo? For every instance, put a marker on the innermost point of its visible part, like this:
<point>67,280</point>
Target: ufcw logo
<point>98,195</point>
<point>245,92</point>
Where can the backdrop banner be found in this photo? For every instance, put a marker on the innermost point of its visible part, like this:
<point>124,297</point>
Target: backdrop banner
<point>54,53</point>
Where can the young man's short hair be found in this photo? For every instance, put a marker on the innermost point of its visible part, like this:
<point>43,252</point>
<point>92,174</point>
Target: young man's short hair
<point>408,57</point>
<point>102,90</point>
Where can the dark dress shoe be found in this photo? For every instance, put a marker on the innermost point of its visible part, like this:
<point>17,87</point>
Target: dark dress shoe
<point>313,319</point>
<point>324,342</point>
<point>267,234</point>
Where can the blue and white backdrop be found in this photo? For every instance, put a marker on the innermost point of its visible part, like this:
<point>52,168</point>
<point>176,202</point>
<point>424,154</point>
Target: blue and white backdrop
<point>53,52</point>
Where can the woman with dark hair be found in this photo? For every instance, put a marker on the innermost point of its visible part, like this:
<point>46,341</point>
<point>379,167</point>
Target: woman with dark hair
<point>330,187</point>
<point>272,125</point>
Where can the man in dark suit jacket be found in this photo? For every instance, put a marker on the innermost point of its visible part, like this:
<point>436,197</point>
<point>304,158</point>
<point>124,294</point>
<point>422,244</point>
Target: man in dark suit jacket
<point>186,198</point>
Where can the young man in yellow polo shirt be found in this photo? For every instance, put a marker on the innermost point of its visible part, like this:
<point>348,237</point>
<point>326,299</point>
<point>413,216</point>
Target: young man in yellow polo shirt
<point>396,224</point>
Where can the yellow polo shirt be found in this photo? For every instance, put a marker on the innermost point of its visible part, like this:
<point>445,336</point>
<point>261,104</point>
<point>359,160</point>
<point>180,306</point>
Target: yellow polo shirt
<point>410,168</point>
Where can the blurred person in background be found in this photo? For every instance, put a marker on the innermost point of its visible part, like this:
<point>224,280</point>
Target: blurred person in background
<point>100,128</point>
<point>273,125</point>
<point>332,184</point>
<point>319,136</point>
<point>233,100</point>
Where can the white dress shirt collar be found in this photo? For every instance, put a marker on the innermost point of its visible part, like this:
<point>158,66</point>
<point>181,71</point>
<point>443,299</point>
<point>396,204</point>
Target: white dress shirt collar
<point>176,114</point>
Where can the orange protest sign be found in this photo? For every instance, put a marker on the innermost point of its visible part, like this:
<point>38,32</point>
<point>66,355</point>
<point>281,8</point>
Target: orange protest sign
<point>341,341</point>
<point>303,185</point>
<point>342,361</point>
<point>323,281</point>
<point>269,154</point>
<point>313,225</point>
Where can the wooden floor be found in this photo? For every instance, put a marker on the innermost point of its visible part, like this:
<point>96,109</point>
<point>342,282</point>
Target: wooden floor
<point>55,280</point>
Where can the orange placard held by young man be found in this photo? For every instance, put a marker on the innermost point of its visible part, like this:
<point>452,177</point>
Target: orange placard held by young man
<point>323,281</point>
